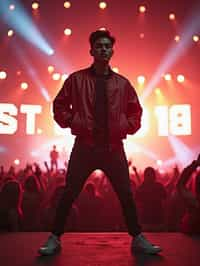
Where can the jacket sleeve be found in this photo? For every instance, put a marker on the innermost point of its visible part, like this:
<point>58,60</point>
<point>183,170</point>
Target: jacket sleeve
<point>62,105</point>
<point>134,110</point>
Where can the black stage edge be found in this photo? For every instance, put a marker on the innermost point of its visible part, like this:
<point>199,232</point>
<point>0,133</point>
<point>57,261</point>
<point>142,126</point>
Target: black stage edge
<point>96,249</point>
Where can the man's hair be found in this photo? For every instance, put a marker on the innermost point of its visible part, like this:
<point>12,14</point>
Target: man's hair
<point>100,34</point>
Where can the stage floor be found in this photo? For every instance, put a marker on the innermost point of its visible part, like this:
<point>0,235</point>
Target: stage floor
<point>96,249</point>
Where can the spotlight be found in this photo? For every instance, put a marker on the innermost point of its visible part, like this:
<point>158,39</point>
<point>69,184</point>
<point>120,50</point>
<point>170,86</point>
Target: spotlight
<point>115,69</point>
<point>10,33</point>
<point>180,78</point>
<point>24,86</point>
<point>67,4</point>
<point>56,76</point>
<point>177,38</point>
<point>35,5</point>
<point>175,51</point>
<point>195,38</point>
<point>157,91</point>
<point>102,5</point>
<point>172,16</point>
<point>39,131</point>
<point>50,69</point>
<point>16,161</point>
<point>64,77</point>
<point>102,28</point>
<point>167,77</point>
<point>18,73</point>
<point>141,80</point>
<point>159,162</point>
<point>141,35</point>
<point>50,51</point>
<point>67,32</point>
<point>142,9</point>
<point>3,75</point>
<point>12,7</point>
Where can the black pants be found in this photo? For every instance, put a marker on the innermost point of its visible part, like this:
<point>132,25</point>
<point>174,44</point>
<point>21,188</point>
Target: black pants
<point>83,161</point>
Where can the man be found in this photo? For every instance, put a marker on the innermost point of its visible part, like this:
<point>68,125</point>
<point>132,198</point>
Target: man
<point>101,108</point>
<point>190,223</point>
<point>54,158</point>
<point>151,195</point>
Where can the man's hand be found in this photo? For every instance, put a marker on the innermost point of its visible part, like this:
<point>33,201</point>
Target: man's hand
<point>134,168</point>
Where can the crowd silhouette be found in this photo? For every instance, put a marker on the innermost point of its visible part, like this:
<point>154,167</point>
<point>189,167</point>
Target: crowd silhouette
<point>165,201</point>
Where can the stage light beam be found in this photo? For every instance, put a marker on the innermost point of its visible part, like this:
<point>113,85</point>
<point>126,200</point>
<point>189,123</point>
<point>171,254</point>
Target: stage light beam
<point>181,150</point>
<point>176,51</point>
<point>24,25</point>
<point>32,72</point>
<point>45,94</point>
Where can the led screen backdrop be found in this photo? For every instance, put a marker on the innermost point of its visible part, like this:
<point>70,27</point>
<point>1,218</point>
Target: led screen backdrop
<point>157,49</point>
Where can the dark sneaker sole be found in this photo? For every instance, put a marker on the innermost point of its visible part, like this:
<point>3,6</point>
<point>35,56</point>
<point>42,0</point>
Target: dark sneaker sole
<point>145,251</point>
<point>49,253</point>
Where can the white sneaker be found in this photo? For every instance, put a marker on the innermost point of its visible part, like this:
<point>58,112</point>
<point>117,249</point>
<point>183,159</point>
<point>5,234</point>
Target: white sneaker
<point>140,243</point>
<point>51,246</point>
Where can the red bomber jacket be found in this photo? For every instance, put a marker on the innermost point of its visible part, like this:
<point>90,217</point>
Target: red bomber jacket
<point>74,104</point>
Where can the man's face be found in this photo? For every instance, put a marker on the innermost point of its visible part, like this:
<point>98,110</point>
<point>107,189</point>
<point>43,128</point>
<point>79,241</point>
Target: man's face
<point>102,50</point>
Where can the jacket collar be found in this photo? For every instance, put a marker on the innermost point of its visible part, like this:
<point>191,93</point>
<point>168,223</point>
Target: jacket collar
<point>107,76</point>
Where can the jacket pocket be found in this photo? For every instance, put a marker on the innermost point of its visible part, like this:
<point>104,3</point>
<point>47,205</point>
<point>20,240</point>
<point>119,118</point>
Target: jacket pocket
<point>76,125</point>
<point>123,123</point>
